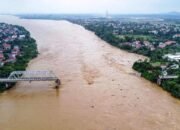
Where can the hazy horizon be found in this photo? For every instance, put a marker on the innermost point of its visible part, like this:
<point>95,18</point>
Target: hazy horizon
<point>88,6</point>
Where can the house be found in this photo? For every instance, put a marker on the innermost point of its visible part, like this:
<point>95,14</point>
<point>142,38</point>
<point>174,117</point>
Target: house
<point>14,36</point>
<point>137,44</point>
<point>11,59</point>
<point>176,36</point>
<point>1,50</point>
<point>162,45</point>
<point>1,63</point>
<point>1,56</point>
<point>11,56</point>
<point>7,39</point>
<point>152,48</point>
<point>147,43</point>
<point>16,48</point>
<point>155,32</point>
<point>169,43</point>
<point>6,46</point>
<point>15,51</point>
<point>21,37</point>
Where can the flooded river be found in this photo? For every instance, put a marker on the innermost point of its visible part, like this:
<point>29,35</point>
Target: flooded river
<point>98,92</point>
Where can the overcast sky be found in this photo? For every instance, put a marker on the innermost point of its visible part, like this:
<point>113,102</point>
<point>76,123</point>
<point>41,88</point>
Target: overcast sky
<point>89,6</point>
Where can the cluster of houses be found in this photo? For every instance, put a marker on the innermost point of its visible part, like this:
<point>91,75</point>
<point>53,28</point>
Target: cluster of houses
<point>167,43</point>
<point>171,58</point>
<point>149,45</point>
<point>122,28</point>
<point>8,50</point>
<point>176,36</point>
<point>148,29</point>
<point>8,53</point>
<point>139,44</point>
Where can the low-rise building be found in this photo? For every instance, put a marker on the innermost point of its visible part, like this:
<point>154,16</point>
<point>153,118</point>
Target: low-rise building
<point>6,46</point>
<point>11,59</point>
<point>1,56</point>
<point>1,63</point>
<point>169,43</point>
<point>137,44</point>
<point>1,50</point>
<point>162,45</point>
<point>172,57</point>
<point>176,36</point>
<point>21,37</point>
<point>14,36</point>
<point>16,48</point>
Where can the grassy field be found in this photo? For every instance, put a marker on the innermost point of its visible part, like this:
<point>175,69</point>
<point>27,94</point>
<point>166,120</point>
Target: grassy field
<point>156,64</point>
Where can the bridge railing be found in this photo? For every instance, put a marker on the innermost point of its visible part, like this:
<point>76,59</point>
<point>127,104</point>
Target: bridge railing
<point>31,76</point>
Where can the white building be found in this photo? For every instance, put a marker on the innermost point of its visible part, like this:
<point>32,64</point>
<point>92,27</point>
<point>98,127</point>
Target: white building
<point>173,57</point>
<point>22,37</point>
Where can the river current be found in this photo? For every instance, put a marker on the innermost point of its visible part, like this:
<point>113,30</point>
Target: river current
<point>99,89</point>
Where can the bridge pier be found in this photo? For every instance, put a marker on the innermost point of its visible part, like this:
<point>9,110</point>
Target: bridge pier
<point>159,81</point>
<point>58,83</point>
<point>7,85</point>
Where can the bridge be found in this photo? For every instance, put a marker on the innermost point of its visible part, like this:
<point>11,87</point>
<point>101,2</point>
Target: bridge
<point>159,81</point>
<point>31,76</point>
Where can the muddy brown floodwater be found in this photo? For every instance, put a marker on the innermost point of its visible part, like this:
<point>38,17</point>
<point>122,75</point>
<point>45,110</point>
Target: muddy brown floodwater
<point>98,92</point>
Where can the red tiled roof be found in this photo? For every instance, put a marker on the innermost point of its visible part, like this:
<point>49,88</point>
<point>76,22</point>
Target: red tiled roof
<point>6,45</point>
<point>1,56</point>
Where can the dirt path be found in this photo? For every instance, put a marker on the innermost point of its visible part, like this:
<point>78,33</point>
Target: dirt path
<point>99,91</point>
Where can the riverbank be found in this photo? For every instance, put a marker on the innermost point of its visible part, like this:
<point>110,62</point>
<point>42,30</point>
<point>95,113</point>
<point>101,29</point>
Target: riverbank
<point>154,66</point>
<point>138,37</point>
<point>98,89</point>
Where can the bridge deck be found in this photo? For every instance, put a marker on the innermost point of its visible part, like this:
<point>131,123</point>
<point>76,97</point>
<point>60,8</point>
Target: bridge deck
<point>30,76</point>
<point>28,79</point>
